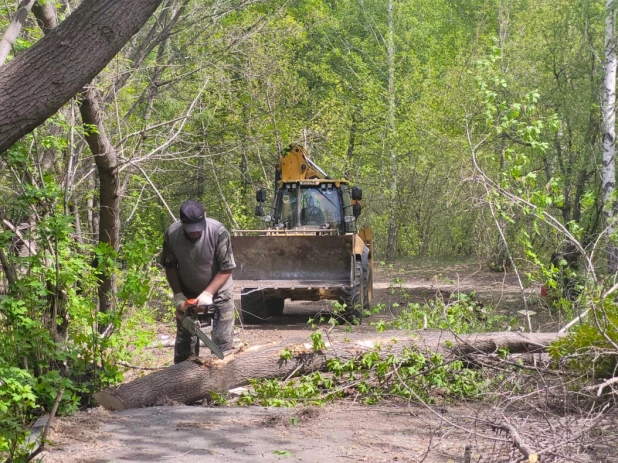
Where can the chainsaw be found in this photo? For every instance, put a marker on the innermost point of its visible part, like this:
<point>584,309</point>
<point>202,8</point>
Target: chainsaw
<point>199,319</point>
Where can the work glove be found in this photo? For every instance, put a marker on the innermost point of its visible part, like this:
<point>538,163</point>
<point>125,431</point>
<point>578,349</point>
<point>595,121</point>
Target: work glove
<point>205,298</point>
<point>179,301</point>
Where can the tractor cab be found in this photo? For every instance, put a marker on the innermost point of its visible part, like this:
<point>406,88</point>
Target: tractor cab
<point>323,206</point>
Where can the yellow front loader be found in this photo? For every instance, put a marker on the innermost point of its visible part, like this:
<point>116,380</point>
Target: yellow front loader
<point>311,248</point>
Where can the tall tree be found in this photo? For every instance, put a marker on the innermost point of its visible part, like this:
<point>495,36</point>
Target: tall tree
<point>609,134</point>
<point>106,160</point>
<point>391,247</point>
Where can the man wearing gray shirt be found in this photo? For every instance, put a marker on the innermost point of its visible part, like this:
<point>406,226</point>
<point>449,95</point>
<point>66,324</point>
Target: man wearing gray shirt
<point>198,260</point>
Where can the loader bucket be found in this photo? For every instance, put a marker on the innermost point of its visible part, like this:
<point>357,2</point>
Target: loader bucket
<point>292,261</point>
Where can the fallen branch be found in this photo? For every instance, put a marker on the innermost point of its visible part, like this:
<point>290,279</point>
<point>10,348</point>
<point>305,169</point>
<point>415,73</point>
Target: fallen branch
<point>529,454</point>
<point>603,385</point>
<point>577,319</point>
<point>195,379</point>
<point>177,456</point>
<point>523,448</point>
<point>491,360</point>
<point>52,415</point>
<point>126,365</point>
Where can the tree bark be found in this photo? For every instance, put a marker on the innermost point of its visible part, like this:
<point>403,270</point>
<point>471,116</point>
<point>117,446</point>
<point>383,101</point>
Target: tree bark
<point>608,109</point>
<point>39,81</point>
<point>12,32</point>
<point>196,378</point>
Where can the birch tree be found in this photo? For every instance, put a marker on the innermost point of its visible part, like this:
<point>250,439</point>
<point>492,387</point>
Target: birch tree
<point>14,29</point>
<point>609,133</point>
<point>391,247</point>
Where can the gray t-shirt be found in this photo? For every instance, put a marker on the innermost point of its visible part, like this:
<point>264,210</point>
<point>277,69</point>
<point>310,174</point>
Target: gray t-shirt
<point>198,262</point>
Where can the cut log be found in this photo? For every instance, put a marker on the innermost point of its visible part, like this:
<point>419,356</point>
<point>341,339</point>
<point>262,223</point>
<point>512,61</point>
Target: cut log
<point>196,378</point>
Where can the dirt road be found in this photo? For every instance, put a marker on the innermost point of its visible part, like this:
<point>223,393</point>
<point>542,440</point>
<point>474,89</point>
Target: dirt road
<point>198,434</point>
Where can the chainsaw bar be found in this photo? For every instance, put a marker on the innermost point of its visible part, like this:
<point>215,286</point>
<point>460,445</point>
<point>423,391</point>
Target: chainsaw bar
<point>189,324</point>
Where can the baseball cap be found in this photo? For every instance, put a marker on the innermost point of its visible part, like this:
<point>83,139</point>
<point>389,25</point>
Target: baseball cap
<point>192,216</point>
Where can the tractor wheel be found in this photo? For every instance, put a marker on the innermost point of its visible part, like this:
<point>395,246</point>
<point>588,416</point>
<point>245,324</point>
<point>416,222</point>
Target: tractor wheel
<point>252,307</point>
<point>367,283</point>
<point>353,313</point>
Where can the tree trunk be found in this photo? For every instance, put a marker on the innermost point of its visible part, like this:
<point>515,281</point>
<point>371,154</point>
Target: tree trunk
<point>39,81</point>
<point>79,237</point>
<point>45,14</point>
<point>12,32</point>
<point>106,159</point>
<point>393,225</point>
<point>89,218</point>
<point>195,378</point>
<point>9,272</point>
<point>609,133</point>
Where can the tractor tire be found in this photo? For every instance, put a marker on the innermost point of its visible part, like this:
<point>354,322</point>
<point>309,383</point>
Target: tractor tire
<point>274,307</point>
<point>353,313</point>
<point>253,310</point>
<point>367,282</point>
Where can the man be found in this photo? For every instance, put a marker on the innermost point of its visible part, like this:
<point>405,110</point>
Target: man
<point>312,213</point>
<point>198,260</point>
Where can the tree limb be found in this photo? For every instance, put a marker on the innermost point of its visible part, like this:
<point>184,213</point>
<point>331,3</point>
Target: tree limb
<point>14,29</point>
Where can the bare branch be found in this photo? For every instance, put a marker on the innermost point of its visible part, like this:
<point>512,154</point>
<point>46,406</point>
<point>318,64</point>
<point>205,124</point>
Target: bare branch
<point>156,190</point>
<point>599,387</point>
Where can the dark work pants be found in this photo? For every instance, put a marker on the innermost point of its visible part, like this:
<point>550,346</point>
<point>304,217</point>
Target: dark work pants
<point>222,332</point>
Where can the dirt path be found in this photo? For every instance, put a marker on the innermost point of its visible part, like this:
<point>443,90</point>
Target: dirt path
<point>183,434</point>
<point>341,432</point>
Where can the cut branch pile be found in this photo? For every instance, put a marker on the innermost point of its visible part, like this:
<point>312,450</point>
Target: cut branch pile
<point>195,379</point>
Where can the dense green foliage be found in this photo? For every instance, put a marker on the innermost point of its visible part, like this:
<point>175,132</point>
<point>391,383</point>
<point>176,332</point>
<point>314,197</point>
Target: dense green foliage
<point>473,126</point>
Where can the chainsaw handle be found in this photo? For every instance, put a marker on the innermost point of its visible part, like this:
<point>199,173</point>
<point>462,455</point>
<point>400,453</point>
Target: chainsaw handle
<point>191,306</point>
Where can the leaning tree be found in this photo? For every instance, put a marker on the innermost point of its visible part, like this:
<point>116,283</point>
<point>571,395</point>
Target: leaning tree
<point>39,81</point>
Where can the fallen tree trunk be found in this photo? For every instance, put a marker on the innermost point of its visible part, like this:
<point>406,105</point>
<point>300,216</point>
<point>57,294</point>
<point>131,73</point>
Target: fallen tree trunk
<point>196,378</point>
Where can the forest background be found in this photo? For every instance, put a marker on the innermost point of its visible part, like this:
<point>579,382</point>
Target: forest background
<point>474,127</point>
